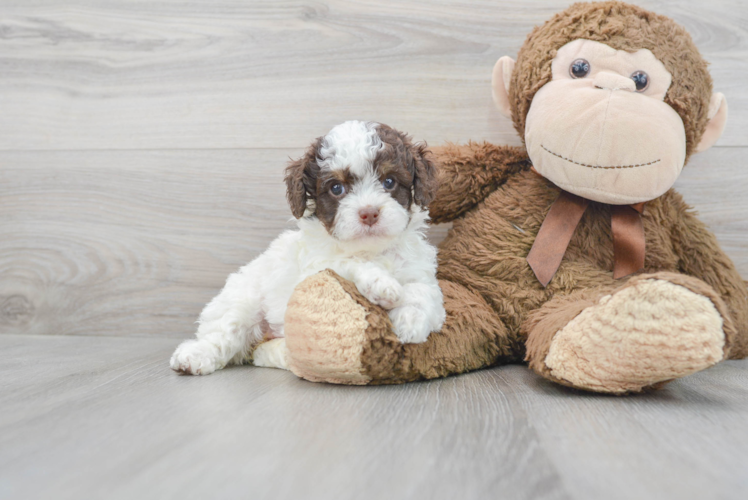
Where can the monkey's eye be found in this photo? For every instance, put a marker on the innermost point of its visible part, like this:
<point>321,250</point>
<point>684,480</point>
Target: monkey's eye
<point>641,79</point>
<point>389,183</point>
<point>579,68</point>
<point>337,189</point>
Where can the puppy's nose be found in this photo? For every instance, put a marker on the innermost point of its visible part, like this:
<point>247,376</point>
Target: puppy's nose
<point>368,215</point>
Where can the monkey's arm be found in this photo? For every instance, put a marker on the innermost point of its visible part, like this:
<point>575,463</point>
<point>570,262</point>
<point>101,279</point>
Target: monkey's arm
<point>700,256</point>
<point>468,173</point>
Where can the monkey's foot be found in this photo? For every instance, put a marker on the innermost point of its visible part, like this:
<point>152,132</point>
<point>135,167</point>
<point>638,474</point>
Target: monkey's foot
<point>332,331</point>
<point>334,334</point>
<point>646,333</point>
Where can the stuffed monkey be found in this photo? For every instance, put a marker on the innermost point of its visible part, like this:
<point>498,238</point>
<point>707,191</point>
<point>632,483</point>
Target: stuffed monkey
<point>573,253</point>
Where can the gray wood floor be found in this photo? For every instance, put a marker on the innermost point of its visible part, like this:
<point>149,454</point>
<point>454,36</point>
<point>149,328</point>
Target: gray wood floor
<point>102,418</point>
<point>142,146</point>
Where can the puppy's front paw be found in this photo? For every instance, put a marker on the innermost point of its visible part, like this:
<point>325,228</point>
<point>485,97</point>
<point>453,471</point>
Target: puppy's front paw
<point>194,357</point>
<point>382,290</point>
<point>410,324</point>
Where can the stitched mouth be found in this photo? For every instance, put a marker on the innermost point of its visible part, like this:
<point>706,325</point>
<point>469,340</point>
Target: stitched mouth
<point>606,167</point>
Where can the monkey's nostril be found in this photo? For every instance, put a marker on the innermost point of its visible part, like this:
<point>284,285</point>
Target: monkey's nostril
<point>369,215</point>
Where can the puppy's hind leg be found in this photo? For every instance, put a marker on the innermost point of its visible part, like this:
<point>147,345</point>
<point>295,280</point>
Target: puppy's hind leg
<point>271,354</point>
<point>229,327</point>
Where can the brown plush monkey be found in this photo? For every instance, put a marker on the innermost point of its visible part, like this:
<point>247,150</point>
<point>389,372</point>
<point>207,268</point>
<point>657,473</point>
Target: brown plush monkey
<point>573,254</point>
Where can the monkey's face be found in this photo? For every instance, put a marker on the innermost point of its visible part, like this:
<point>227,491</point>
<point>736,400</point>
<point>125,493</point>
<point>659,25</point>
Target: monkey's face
<point>600,128</point>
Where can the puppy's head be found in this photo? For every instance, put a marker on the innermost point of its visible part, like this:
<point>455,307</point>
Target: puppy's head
<point>361,180</point>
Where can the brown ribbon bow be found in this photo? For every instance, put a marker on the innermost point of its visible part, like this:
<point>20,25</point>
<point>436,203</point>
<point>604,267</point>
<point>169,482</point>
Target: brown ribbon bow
<point>558,228</point>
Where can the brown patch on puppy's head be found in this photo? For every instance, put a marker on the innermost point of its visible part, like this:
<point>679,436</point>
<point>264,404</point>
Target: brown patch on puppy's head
<point>301,179</point>
<point>326,203</point>
<point>410,164</point>
<point>359,167</point>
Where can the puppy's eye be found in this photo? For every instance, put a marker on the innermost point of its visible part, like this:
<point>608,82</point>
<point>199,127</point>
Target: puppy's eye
<point>389,183</point>
<point>579,68</point>
<point>641,79</point>
<point>337,189</point>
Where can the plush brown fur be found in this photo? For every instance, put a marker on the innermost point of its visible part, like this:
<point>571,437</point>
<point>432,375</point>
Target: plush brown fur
<point>322,326</point>
<point>486,248</point>
<point>623,27</point>
<point>497,311</point>
<point>543,323</point>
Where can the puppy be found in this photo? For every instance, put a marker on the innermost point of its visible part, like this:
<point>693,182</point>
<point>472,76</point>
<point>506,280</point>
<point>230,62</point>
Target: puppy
<point>360,195</point>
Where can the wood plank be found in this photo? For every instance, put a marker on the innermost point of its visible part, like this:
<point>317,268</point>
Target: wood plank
<point>97,417</point>
<point>713,184</point>
<point>130,243</point>
<point>648,446</point>
<point>136,242</point>
<point>105,418</point>
<point>236,74</point>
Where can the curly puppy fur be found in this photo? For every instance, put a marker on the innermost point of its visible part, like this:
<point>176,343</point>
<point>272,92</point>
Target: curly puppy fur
<point>359,193</point>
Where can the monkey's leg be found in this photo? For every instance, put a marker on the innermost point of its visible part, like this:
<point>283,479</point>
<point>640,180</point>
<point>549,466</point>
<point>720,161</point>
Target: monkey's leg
<point>333,334</point>
<point>641,334</point>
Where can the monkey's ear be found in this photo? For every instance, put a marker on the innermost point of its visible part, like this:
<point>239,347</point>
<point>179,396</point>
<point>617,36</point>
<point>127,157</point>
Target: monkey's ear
<point>300,181</point>
<point>425,182</point>
<point>717,121</point>
<point>500,80</point>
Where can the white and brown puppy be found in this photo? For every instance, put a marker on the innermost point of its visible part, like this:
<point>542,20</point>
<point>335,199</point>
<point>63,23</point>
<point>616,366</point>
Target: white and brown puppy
<point>360,195</point>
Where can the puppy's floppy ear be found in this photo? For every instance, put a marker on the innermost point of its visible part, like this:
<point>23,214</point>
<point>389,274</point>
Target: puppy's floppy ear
<point>301,180</point>
<point>425,182</point>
